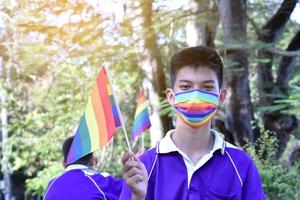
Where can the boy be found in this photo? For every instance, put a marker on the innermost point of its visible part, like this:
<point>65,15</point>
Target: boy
<point>193,161</point>
<point>81,182</point>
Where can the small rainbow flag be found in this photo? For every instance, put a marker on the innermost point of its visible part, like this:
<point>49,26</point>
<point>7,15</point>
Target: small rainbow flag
<point>99,121</point>
<point>141,117</point>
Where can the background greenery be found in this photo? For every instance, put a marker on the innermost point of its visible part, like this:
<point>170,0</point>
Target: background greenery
<point>51,52</point>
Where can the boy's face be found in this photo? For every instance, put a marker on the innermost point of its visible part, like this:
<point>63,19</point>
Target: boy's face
<point>203,78</point>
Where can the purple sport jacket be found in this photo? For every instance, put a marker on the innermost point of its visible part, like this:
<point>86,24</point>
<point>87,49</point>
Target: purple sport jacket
<point>230,174</point>
<point>83,184</point>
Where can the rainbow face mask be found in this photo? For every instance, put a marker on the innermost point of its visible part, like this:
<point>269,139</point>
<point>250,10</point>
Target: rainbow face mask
<point>196,107</point>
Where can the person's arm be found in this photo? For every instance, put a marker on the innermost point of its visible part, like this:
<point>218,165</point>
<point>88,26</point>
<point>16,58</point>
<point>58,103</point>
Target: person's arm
<point>252,186</point>
<point>135,175</point>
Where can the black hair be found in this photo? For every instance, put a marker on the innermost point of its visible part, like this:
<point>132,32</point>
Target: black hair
<point>65,149</point>
<point>199,56</point>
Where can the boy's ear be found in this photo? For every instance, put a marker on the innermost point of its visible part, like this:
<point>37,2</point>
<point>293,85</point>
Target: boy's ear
<point>170,96</point>
<point>223,93</point>
<point>64,164</point>
<point>92,161</point>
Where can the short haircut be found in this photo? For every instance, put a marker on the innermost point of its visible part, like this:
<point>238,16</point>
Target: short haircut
<point>199,56</point>
<point>65,149</point>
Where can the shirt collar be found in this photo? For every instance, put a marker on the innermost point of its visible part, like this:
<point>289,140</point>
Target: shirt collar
<point>76,166</point>
<point>166,145</point>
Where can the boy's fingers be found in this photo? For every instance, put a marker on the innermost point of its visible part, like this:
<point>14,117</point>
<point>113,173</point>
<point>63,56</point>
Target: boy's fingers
<point>135,158</point>
<point>130,164</point>
<point>132,172</point>
<point>126,156</point>
<point>134,180</point>
<point>140,164</point>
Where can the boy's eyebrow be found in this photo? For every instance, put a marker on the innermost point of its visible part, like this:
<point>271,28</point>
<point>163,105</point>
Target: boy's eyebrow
<point>203,82</point>
<point>185,81</point>
<point>208,81</point>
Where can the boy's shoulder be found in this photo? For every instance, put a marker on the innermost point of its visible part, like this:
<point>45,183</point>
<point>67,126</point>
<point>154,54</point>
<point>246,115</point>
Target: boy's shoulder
<point>100,176</point>
<point>239,159</point>
<point>236,153</point>
<point>237,156</point>
<point>149,155</point>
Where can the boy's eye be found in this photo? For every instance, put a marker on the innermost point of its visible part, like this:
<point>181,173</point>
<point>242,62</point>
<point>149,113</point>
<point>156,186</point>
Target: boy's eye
<point>208,87</point>
<point>184,87</point>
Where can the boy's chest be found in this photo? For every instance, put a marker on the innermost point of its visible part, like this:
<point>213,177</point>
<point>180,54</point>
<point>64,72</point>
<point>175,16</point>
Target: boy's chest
<point>214,180</point>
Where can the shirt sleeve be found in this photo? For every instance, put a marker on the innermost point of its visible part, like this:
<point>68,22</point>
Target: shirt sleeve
<point>110,186</point>
<point>48,189</point>
<point>126,192</point>
<point>252,186</point>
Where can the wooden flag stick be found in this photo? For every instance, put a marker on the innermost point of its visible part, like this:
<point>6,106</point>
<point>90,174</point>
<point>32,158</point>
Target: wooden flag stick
<point>118,109</point>
<point>143,139</point>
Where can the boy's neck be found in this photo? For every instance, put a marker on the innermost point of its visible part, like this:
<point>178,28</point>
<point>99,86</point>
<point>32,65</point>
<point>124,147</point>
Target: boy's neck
<point>195,143</point>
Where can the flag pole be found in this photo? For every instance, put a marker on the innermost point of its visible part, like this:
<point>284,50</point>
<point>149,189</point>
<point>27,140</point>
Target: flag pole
<point>143,138</point>
<point>118,109</point>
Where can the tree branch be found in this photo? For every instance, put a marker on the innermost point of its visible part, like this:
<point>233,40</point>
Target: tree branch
<point>285,68</point>
<point>273,27</point>
<point>286,53</point>
<point>252,22</point>
<point>237,47</point>
<point>269,35</point>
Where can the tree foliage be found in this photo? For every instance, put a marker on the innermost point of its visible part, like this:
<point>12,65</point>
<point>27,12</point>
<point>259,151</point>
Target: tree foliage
<point>51,52</point>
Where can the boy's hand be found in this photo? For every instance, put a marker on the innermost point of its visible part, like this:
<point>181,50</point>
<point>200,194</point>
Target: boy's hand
<point>135,175</point>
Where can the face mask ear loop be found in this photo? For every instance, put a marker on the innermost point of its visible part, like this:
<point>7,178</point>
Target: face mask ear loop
<point>219,95</point>
<point>173,96</point>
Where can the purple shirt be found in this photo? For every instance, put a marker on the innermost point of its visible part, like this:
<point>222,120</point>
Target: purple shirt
<point>229,174</point>
<point>82,183</point>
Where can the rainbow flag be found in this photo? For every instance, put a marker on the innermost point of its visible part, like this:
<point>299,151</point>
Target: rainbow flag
<point>99,121</point>
<point>141,117</point>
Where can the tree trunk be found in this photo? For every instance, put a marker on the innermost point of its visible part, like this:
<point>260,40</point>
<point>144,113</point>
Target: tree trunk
<point>282,124</point>
<point>291,154</point>
<point>202,24</point>
<point>239,111</point>
<point>269,35</point>
<point>150,61</point>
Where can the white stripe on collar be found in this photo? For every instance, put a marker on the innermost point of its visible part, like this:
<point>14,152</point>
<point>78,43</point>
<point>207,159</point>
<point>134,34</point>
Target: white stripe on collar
<point>166,145</point>
<point>76,166</point>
